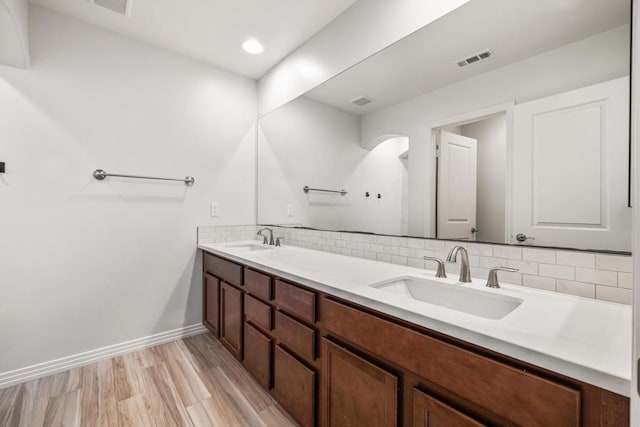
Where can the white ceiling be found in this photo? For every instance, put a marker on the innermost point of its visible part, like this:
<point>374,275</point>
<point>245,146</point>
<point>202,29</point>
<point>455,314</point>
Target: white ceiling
<point>426,60</point>
<point>212,31</point>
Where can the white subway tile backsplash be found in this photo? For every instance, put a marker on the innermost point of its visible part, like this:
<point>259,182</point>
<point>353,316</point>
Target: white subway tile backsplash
<point>625,280</point>
<point>524,267</point>
<point>370,255</point>
<point>510,252</point>
<point>576,259</point>
<point>399,241</point>
<point>508,277</point>
<point>614,263</point>
<point>479,273</point>
<point>408,252</point>
<point>539,282</point>
<point>402,260</point>
<point>480,249</point>
<point>556,271</point>
<point>539,255</point>
<point>435,245</point>
<point>619,295</point>
<point>364,246</point>
<point>384,240</point>
<point>357,253</point>
<point>415,262</point>
<point>576,288</point>
<point>603,276</point>
<point>421,253</point>
<point>599,277</point>
<point>416,243</point>
<point>384,257</point>
<point>490,262</point>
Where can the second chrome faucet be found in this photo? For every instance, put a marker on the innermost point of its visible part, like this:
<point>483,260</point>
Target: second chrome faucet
<point>465,270</point>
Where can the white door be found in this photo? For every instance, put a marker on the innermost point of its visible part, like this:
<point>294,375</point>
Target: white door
<point>570,168</point>
<point>457,181</point>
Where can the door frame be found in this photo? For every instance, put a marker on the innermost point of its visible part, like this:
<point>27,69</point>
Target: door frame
<point>635,230</point>
<point>461,119</point>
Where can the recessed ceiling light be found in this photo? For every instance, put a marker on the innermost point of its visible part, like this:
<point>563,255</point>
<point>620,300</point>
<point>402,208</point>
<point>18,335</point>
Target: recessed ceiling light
<point>253,46</point>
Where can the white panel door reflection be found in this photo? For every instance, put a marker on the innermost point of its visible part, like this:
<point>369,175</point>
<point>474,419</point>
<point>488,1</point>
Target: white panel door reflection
<point>570,168</point>
<point>457,186</point>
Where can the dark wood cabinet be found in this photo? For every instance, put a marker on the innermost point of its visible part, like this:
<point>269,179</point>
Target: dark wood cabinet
<point>231,319</point>
<point>295,300</point>
<point>431,412</point>
<point>257,284</point>
<point>211,303</point>
<point>296,336</point>
<point>332,362</point>
<point>257,355</point>
<point>357,392</point>
<point>294,387</point>
<point>258,312</point>
<point>480,380</point>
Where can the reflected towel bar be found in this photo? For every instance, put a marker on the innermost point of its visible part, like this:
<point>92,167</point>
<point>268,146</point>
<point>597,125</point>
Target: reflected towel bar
<point>306,189</point>
<point>100,175</point>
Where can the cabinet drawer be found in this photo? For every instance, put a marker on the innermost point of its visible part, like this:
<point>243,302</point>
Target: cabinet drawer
<point>429,411</point>
<point>257,284</point>
<point>296,300</point>
<point>257,355</point>
<point>223,269</point>
<point>296,336</point>
<point>258,312</point>
<point>294,387</point>
<point>488,383</point>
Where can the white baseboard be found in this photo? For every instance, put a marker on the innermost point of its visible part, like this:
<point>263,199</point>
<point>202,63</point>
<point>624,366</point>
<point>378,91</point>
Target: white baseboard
<point>32,372</point>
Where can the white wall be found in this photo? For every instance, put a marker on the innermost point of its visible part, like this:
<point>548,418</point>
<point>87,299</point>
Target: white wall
<point>596,59</point>
<point>86,264</point>
<point>491,135</point>
<point>362,30</point>
<point>309,143</point>
<point>14,33</point>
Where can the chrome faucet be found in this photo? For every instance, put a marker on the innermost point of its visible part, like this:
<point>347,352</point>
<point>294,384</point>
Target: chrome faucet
<point>492,281</point>
<point>264,238</point>
<point>440,271</point>
<point>465,272</point>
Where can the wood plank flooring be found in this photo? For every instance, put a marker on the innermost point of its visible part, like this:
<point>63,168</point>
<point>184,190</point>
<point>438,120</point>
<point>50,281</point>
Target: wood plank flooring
<point>191,382</point>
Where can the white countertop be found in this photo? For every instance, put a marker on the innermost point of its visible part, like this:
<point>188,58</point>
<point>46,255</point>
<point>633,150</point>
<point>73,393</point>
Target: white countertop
<point>582,338</point>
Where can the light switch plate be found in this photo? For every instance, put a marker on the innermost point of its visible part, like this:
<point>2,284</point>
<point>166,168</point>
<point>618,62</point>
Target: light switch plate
<point>291,210</point>
<point>215,209</point>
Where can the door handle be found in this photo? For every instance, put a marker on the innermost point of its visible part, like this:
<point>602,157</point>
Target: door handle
<point>474,230</point>
<point>521,237</point>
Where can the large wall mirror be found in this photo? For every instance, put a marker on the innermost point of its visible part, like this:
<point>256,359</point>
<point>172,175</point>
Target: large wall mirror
<point>504,121</point>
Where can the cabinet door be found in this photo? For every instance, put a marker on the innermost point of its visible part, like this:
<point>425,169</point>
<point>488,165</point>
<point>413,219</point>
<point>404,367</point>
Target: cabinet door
<point>431,412</point>
<point>357,392</point>
<point>231,319</point>
<point>211,303</point>
<point>257,355</point>
<point>294,387</point>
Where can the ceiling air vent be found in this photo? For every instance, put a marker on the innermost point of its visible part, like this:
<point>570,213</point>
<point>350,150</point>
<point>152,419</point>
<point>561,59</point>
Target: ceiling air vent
<point>474,58</point>
<point>119,6</point>
<point>362,100</point>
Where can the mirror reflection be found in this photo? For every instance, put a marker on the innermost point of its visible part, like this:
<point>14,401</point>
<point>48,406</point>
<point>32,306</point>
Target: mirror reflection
<point>480,126</point>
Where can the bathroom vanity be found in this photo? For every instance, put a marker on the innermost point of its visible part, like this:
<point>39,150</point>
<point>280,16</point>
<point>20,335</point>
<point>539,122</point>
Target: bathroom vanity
<point>334,350</point>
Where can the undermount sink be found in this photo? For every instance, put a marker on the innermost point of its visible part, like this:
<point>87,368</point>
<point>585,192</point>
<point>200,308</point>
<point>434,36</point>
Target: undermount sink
<point>249,247</point>
<point>452,296</point>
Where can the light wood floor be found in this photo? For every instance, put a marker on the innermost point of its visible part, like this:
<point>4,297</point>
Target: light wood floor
<point>191,382</point>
